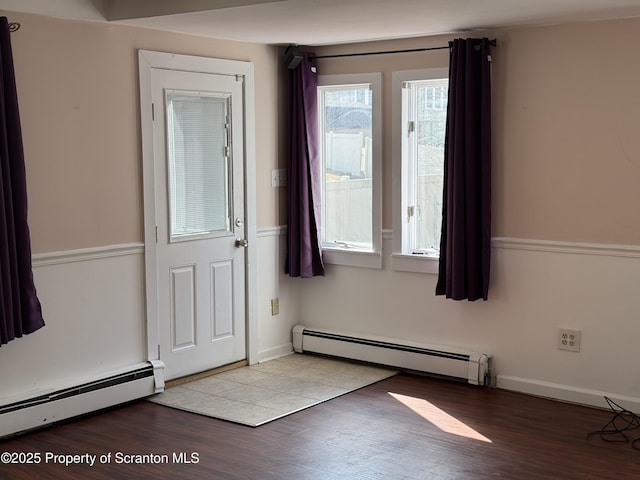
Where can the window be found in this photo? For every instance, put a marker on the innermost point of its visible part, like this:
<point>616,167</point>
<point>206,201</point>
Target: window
<point>420,101</point>
<point>349,135</point>
<point>197,150</point>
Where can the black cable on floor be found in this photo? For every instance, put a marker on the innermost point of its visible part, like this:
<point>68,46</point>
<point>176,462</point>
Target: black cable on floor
<point>618,428</point>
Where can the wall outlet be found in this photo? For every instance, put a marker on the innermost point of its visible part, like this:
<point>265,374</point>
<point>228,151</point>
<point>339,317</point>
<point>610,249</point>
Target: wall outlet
<point>275,306</point>
<point>568,339</point>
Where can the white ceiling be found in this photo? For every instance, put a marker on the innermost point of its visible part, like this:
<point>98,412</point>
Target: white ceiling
<point>318,22</point>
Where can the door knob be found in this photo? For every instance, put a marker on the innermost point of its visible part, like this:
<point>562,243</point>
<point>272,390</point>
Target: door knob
<point>241,242</point>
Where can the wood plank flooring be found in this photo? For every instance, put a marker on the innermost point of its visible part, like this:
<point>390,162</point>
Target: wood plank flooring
<point>367,434</point>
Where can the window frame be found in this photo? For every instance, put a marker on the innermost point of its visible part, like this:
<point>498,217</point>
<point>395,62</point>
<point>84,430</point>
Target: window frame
<point>402,260</point>
<point>359,257</point>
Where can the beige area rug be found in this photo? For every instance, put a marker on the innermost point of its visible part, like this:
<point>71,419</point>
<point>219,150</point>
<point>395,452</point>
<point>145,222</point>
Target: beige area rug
<point>258,394</point>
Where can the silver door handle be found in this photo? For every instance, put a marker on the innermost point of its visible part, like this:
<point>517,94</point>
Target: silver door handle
<point>241,242</point>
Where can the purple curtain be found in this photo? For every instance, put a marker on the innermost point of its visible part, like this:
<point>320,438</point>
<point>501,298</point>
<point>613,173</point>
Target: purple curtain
<point>20,311</point>
<point>465,247</point>
<point>304,257</point>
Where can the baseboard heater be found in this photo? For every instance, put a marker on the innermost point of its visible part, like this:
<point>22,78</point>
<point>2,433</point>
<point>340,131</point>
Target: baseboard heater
<point>124,386</point>
<point>467,365</point>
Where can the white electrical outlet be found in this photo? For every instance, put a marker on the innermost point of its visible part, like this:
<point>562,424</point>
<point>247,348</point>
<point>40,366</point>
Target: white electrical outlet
<point>569,339</point>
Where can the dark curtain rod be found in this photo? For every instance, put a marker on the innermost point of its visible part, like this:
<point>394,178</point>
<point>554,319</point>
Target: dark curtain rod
<point>491,42</point>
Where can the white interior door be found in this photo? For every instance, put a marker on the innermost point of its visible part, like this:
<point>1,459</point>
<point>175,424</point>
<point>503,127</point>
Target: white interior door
<point>199,217</point>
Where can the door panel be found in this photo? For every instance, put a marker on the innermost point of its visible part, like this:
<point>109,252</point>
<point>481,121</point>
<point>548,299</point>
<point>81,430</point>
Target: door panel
<point>222,298</point>
<point>183,300</point>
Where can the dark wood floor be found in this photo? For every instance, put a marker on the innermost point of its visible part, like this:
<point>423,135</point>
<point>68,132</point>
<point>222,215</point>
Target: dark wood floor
<point>368,434</point>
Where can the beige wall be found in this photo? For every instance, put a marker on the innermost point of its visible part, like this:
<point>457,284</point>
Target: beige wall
<point>566,111</point>
<point>78,93</point>
<point>566,160</point>
<point>567,149</point>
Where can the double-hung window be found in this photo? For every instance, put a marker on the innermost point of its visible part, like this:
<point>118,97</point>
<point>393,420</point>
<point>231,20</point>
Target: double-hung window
<point>420,116</point>
<point>349,133</point>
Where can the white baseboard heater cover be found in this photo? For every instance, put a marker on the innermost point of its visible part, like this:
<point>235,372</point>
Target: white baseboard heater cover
<point>466,365</point>
<point>137,382</point>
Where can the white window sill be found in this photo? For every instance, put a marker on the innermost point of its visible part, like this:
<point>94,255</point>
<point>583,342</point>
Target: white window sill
<point>404,262</point>
<point>352,258</point>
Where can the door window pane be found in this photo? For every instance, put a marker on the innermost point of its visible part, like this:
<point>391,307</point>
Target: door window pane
<point>198,164</point>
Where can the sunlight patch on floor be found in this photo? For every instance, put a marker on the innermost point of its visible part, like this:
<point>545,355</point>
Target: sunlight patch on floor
<point>439,418</point>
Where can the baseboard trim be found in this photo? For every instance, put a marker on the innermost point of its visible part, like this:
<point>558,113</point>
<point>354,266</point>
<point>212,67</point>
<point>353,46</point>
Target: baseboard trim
<point>275,352</point>
<point>566,393</point>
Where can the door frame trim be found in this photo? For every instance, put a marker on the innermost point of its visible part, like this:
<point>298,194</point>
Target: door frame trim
<point>147,61</point>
